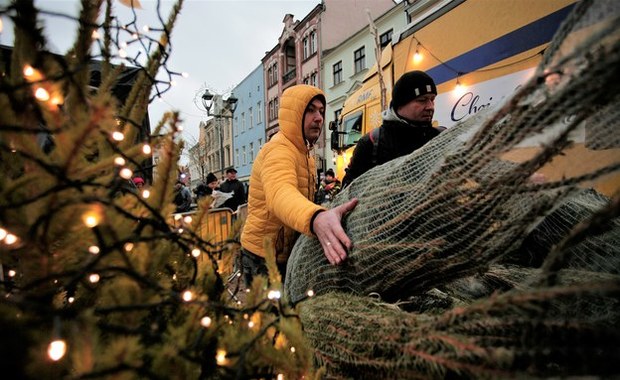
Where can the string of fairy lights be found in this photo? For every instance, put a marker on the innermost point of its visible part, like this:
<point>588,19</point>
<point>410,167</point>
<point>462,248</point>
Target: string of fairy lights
<point>459,88</point>
<point>49,95</point>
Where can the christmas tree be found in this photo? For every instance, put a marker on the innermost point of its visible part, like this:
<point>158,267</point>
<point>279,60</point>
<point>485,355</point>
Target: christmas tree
<point>97,279</point>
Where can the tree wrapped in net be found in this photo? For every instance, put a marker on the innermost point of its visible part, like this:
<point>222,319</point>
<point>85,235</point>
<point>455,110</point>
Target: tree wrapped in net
<point>463,262</point>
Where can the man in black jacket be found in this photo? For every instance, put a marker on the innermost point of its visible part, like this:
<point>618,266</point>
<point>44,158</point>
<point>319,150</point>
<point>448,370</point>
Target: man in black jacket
<point>407,125</point>
<point>233,184</point>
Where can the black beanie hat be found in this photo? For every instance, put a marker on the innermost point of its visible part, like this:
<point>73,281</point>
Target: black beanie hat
<point>211,178</point>
<point>410,86</point>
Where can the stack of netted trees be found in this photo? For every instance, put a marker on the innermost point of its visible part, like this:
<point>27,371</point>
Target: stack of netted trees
<point>465,266</point>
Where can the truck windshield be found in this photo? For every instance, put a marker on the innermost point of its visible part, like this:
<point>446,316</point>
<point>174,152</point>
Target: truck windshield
<point>352,128</point>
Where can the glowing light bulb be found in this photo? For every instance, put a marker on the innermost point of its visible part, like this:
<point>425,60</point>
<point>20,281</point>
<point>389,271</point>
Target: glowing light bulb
<point>146,194</point>
<point>10,239</point>
<point>459,89</point>
<point>118,136</point>
<point>94,278</point>
<point>128,247</point>
<point>173,83</point>
<point>71,299</point>
<point>3,234</point>
<point>187,219</point>
<point>280,376</point>
<point>146,149</point>
<point>42,94</point>
<point>310,293</point>
<point>220,357</point>
<point>57,349</point>
<point>178,217</point>
<point>146,28</point>
<point>417,56</point>
<point>123,44</point>
<point>188,296</point>
<point>122,53</point>
<point>93,249</point>
<point>195,252</point>
<point>293,349</point>
<point>250,324</point>
<point>185,75</point>
<point>91,219</point>
<point>28,71</point>
<point>125,173</point>
<point>95,35</point>
<point>274,294</point>
<point>12,273</point>
<point>120,161</point>
<point>205,321</point>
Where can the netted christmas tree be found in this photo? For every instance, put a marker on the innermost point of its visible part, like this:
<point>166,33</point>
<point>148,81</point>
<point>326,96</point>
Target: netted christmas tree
<point>97,279</point>
<point>470,262</point>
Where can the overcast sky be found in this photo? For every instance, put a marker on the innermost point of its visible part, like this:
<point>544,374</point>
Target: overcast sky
<point>217,42</point>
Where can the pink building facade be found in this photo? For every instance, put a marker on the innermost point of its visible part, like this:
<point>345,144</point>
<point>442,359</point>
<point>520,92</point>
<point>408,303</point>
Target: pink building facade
<point>296,58</point>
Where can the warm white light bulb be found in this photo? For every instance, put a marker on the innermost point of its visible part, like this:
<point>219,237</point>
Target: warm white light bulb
<point>459,89</point>
<point>125,173</point>
<point>205,321</point>
<point>122,53</point>
<point>185,75</point>
<point>42,94</point>
<point>10,239</point>
<point>95,35</point>
<point>310,293</point>
<point>146,149</point>
<point>94,278</point>
<point>220,357</point>
<point>91,220</point>
<point>146,194</point>
<point>118,136</point>
<point>71,299</point>
<point>12,273</point>
<point>128,247</point>
<point>187,219</point>
<point>187,296</point>
<point>93,249</point>
<point>273,294</point>
<point>28,71</point>
<point>57,349</point>
<point>195,252</point>
<point>250,324</point>
<point>280,376</point>
<point>120,161</point>
<point>3,234</point>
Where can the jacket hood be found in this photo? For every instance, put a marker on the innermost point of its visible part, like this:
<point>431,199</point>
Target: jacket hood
<point>293,104</point>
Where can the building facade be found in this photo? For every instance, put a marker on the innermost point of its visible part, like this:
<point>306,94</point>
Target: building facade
<point>297,56</point>
<point>248,122</point>
<point>344,67</point>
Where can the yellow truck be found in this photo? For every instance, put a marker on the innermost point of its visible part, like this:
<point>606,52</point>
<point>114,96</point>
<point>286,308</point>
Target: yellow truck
<point>478,52</point>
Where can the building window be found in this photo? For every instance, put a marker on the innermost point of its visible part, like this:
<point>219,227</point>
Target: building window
<point>260,142</point>
<point>245,158</point>
<point>359,57</point>
<point>312,42</point>
<point>313,79</point>
<point>386,38</point>
<point>259,113</point>
<point>270,116</point>
<point>337,72</point>
<point>235,124</point>
<point>242,122</point>
<point>251,152</point>
<point>251,118</point>
<point>306,48</point>
<point>307,80</point>
<point>337,114</point>
<point>272,74</point>
<point>237,157</point>
<point>276,107</point>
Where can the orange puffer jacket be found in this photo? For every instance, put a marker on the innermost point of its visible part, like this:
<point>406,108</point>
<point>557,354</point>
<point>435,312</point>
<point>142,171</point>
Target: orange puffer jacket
<point>283,180</point>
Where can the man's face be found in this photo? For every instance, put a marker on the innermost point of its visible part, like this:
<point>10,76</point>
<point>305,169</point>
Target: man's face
<point>213,184</point>
<point>421,108</point>
<point>231,176</point>
<point>313,120</point>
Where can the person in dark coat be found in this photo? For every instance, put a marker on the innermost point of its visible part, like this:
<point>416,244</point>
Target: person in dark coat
<point>232,184</point>
<point>407,125</point>
<point>207,187</point>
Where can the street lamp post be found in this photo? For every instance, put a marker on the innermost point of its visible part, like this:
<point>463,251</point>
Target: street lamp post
<point>216,106</point>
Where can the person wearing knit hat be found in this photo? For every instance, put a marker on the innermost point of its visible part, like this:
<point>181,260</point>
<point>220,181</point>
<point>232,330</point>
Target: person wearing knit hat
<point>407,125</point>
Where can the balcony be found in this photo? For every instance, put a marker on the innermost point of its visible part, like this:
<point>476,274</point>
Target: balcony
<point>289,76</point>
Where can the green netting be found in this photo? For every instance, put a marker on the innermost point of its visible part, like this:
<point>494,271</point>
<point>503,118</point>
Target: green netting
<point>443,231</point>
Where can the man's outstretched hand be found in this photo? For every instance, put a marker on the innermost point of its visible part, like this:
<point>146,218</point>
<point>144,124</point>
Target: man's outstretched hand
<point>328,229</point>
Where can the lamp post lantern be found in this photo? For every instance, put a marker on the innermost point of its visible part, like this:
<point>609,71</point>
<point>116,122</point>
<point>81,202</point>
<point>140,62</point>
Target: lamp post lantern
<point>216,106</point>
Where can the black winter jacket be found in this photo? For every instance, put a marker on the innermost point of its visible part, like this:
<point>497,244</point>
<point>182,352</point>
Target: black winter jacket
<point>397,138</point>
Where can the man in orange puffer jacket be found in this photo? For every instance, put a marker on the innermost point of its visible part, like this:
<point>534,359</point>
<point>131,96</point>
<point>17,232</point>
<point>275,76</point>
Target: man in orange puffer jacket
<point>283,182</point>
